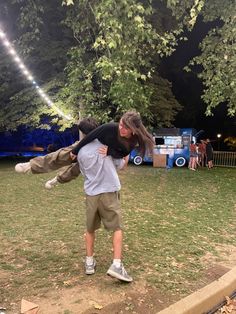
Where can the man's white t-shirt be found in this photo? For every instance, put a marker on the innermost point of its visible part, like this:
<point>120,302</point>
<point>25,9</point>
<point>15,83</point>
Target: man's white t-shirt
<point>100,175</point>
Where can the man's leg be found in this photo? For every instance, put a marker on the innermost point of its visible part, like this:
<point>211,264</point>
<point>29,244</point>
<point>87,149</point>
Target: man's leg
<point>90,262</point>
<point>117,244</point>
<point>93,222</point>
<point>89,240</point>
<point>110,213</point>
<point>117,269</point>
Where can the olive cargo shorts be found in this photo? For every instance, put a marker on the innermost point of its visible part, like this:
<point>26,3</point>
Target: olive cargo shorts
<point>103,207</point>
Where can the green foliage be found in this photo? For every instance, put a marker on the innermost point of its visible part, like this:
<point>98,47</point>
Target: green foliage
<point>67,2</point>
<point>186,11</point>
<point>25,108</point>
<point>231,142</point>
<point>218,48</point>
<point>164,113</point>
<point>111,67</point>
<point>218,57</point>
<point>104,56</point>
<point>44,57</point>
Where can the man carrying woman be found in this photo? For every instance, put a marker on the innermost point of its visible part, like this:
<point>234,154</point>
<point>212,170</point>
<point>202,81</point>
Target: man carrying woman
<point>98,164</point>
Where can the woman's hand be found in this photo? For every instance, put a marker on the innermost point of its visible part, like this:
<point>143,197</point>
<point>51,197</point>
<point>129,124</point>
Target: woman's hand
<point>126,159</point>
<point>103,150</point>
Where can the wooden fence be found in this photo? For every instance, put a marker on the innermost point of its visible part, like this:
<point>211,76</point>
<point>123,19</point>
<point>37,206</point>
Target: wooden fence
<point>224,159</point>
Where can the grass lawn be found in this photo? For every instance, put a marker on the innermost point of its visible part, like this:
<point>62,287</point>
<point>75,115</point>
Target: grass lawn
<point>172,219</point>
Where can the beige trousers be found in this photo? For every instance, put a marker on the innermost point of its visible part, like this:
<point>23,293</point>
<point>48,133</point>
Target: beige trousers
<point>56,160</point>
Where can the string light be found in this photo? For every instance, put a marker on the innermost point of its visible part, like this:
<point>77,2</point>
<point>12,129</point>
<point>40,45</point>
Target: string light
<point>29,76</point>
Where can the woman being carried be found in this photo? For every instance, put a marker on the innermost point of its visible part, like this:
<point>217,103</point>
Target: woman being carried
<point>120,138</point>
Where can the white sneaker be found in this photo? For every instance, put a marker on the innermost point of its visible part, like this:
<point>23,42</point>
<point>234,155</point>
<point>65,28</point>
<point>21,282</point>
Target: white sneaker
<point>51,183</point>
<point>23,167</point>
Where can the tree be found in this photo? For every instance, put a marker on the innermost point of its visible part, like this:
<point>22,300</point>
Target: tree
<point>218,49</point>
<point>231,142</point>
<point>108,68</point>
<point>112,64</point>
<point>218,56</point>
<point>42,43</point>
<point>102,57</point>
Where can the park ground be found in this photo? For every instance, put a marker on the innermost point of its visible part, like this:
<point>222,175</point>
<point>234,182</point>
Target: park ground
<point>179,228</point>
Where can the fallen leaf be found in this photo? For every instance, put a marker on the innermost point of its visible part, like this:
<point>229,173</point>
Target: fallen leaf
<point>98,306</point>
<point>230,306</point>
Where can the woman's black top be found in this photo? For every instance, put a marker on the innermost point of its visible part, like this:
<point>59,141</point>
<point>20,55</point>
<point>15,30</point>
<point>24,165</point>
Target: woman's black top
<point>108,134</point>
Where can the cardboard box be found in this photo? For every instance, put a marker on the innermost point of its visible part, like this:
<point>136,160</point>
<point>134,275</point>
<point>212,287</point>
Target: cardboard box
<point>159,160</point>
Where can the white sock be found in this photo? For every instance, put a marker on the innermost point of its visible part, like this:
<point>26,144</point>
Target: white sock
<point>116,262</point>
<point>89,260</point>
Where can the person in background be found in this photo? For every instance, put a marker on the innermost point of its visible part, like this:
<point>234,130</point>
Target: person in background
<point>209,154</point>
<point>193,156</point>
<point>202,152</point>
<point>198,155</point>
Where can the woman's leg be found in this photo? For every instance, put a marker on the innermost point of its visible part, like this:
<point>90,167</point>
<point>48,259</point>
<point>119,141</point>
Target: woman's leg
<point>52,161</point>
<point>47,163</point>
<point>67,174</point>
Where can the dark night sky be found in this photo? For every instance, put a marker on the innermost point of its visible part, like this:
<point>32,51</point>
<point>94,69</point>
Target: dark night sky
<point>187,89</point>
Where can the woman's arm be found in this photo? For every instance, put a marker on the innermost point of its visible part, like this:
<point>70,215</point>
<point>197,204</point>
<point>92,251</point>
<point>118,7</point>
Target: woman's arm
<point>99,133</point>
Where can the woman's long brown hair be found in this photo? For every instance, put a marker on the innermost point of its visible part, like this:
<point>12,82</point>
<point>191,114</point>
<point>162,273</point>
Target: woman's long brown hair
<point>133,121</point>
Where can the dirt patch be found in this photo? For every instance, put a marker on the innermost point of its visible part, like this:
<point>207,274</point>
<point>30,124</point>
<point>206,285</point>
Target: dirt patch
<point>217,265</point>
<point>93,297</point>
<point>104,295</point>
<point>87,297</point>
<point>149,302</point>
<point>4,275</point>
<point>226,256</point>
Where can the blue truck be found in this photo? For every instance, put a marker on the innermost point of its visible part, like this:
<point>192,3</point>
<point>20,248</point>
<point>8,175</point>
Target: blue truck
<point>172,142</point>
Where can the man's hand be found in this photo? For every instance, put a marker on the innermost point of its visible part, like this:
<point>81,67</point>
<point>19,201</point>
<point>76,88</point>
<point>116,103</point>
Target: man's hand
<point>103,150</point>
<point>73,156</point>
